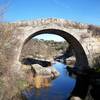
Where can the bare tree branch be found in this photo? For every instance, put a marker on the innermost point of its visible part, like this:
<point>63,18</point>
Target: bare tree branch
<point>3,8</point>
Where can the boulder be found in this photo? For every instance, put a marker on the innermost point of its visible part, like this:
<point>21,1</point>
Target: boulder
<point>71,61</point>
<point>46,72</point>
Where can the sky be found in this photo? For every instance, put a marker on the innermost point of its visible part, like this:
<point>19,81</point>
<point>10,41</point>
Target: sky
<point>84,11</point>
<point>50,37</point>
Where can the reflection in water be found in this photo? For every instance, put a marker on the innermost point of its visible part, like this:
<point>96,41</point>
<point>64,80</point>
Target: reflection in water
<point>46,89</point>
<point>40,82</point>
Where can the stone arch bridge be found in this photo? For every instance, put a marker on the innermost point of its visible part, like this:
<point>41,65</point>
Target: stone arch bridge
<point>84,38</point>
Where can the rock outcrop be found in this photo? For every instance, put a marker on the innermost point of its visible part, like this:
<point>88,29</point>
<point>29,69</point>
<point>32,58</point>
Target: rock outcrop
<point>71,61</point>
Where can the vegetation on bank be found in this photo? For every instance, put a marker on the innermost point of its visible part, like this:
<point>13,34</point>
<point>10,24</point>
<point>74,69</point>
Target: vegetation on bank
<point>43,49</point>
<point>7,79</point>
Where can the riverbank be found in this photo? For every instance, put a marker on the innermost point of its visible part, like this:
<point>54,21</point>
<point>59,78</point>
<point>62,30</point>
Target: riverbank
<point>58,88</point>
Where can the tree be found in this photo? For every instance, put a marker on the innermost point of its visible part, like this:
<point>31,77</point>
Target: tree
<point>3,9</point>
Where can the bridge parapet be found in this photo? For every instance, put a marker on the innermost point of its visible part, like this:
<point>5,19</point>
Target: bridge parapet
<point>59,22</point>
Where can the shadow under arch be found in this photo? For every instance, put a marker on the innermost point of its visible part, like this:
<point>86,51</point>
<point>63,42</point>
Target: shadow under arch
<point>81,58</point>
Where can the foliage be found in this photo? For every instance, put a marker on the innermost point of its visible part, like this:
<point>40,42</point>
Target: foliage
<point>43,49</point>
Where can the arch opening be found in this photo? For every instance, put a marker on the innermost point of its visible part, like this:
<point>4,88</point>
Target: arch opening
<point>81,58</point>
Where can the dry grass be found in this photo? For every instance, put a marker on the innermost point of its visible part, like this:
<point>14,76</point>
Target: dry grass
<point>6,34</point>
<point>94,29</point>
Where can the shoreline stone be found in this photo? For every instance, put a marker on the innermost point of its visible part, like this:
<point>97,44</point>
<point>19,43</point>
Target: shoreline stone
<point>46,72</point>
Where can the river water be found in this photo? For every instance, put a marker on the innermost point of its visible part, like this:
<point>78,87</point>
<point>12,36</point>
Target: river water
<point>60,88</point>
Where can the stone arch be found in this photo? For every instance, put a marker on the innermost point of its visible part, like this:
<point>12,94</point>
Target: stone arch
<point>81,58</point>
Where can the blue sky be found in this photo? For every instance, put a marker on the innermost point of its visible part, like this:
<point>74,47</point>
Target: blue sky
<point>50,37</point>
<point>84,11</point>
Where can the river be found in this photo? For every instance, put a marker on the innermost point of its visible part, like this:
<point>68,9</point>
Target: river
<point>60,88</point>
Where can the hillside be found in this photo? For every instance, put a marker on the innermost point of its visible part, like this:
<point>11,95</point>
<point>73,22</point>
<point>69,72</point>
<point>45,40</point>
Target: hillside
<point>43,49</point>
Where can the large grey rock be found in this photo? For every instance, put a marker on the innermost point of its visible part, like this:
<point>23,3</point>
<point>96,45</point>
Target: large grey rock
<point>71,61</point>
<point>47,72</point>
